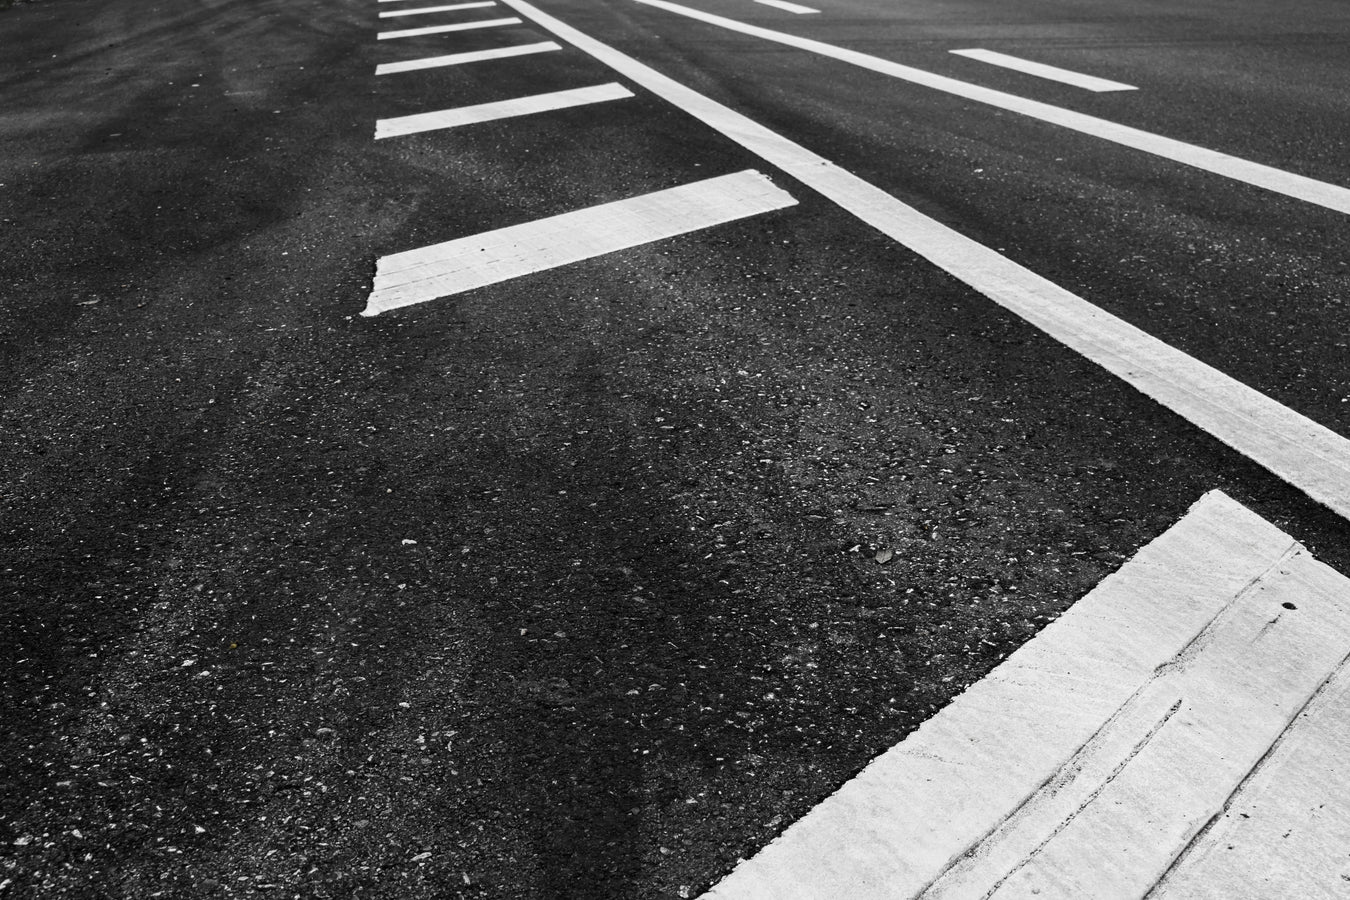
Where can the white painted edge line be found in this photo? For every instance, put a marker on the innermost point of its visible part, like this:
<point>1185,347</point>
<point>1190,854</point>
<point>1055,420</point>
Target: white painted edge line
<point>442,29</point>
<point>1320,193</point>
<point>455,59</point>
<point>1058,773</point>
<point>789,7</point>
<point>435,9</point>
<point>1307,455</point>
<point>453,267</point>
<point>500,109</point>
<point>1041,70</point>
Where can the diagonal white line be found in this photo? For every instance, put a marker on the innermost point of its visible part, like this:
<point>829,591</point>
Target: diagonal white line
<point>442,29</point>
<point>1318,192</point>
<point>1041,70</point>
<point>1309,456</point>
<point>789,7</point>
<point>455,59</point>
<point>435,9</point>
<point>452,267</point>
<point>501,109</point>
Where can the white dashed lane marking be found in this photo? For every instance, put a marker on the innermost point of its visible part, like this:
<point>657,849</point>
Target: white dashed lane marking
<point>1320,193</point>
<point>1092,761</point>
<point>1309,456</point>
<point>441,270</point>
<point>1041,70</point>
<point>501,109</point>
<point>789,7</point>
<point>442,29</point>
<point>455,59</point>
<point>435,9</point>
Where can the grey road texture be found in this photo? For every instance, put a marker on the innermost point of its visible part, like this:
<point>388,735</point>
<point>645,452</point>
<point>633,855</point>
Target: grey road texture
<point>589,582</point>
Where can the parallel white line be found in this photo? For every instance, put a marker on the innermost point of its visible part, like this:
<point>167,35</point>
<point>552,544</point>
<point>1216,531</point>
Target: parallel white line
<point>1041,70</point>
<point>442,29</point>
<point>1318,192</point>
<point>440,270</point>
<point>435,9</point>
<point>1307,455</point>
<point>1087,763</point>
<point>790,7</point>
<point>455,59</point>
<point>500,109</point>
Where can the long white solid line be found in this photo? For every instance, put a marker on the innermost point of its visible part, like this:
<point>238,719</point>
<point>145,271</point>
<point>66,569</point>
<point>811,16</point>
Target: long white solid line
<point>435,9</point>
<point>1309,456</point>
<point>790,7</point>
<point>442,29</point>
<point>455,59</point>
<point>452,267</point>
<point>500,109</point>
<point>1320,193</point>
<point>1041,70</point>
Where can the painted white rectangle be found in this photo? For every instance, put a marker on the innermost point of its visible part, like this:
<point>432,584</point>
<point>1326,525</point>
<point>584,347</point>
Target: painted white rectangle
<point>1065,774</point>
<point>435,9</point>
<point>789,7</point>
<point>1320,193</point>
<point>1307,455</point>
<point>455,59</point>
<point>1041,70</point>
<point>500,109</point>
<point>443,29</point>
<point>441,270</point>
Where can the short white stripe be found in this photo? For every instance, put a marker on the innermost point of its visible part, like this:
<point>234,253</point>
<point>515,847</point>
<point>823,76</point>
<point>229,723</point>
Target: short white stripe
<point>501,109</point>
<point>1318,192</point>
<point>440,270</point>
<point>1309,456</point>
<point>442,29</point>
<point>1087,762</point>
<point>1041,70</point>
<point>435,9</point>
<point>455,59</point>
<point>790,7</point>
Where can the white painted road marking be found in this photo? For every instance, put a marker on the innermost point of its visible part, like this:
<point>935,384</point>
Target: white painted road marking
<point>1041,70</point>
<point>1088,762</point>
<point>435,9</point>
<point>501,109</point>
<point>790,7</point>
<point>1309,456</point>
<point>455,59</point>
<point>442,29</point>
<point>1320,193</point>
<point>440,270</point>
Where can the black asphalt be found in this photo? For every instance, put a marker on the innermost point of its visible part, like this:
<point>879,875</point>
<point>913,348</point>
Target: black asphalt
<point>569,587</point>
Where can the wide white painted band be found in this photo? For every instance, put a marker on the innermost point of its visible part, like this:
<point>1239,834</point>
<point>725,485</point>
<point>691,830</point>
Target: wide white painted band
<point>442,29</point>
<point>1089,762</point>
<point>455,59</point>
<point>789,7</point>
<point>500,109</point>
<point>1318,192</point>
<point>435,9</point>
<point>1041,70</point>
<point>460,265</point>
<point>1309,456</point>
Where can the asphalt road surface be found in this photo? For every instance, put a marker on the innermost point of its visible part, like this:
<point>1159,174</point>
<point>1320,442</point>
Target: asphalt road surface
<point>589,581</point>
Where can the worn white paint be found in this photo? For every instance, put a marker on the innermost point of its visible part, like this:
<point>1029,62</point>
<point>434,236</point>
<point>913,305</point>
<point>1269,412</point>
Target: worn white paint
<point>441,270</point>
<point>500,109</point>
<point>1090,761</point>
<point>456,59</point>
<point>435,9</point>
<point>1309,456</point>
<point>1320,193</point>
<point>1041,70</point>
<point>443,29</point>
<point>796,8</point>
